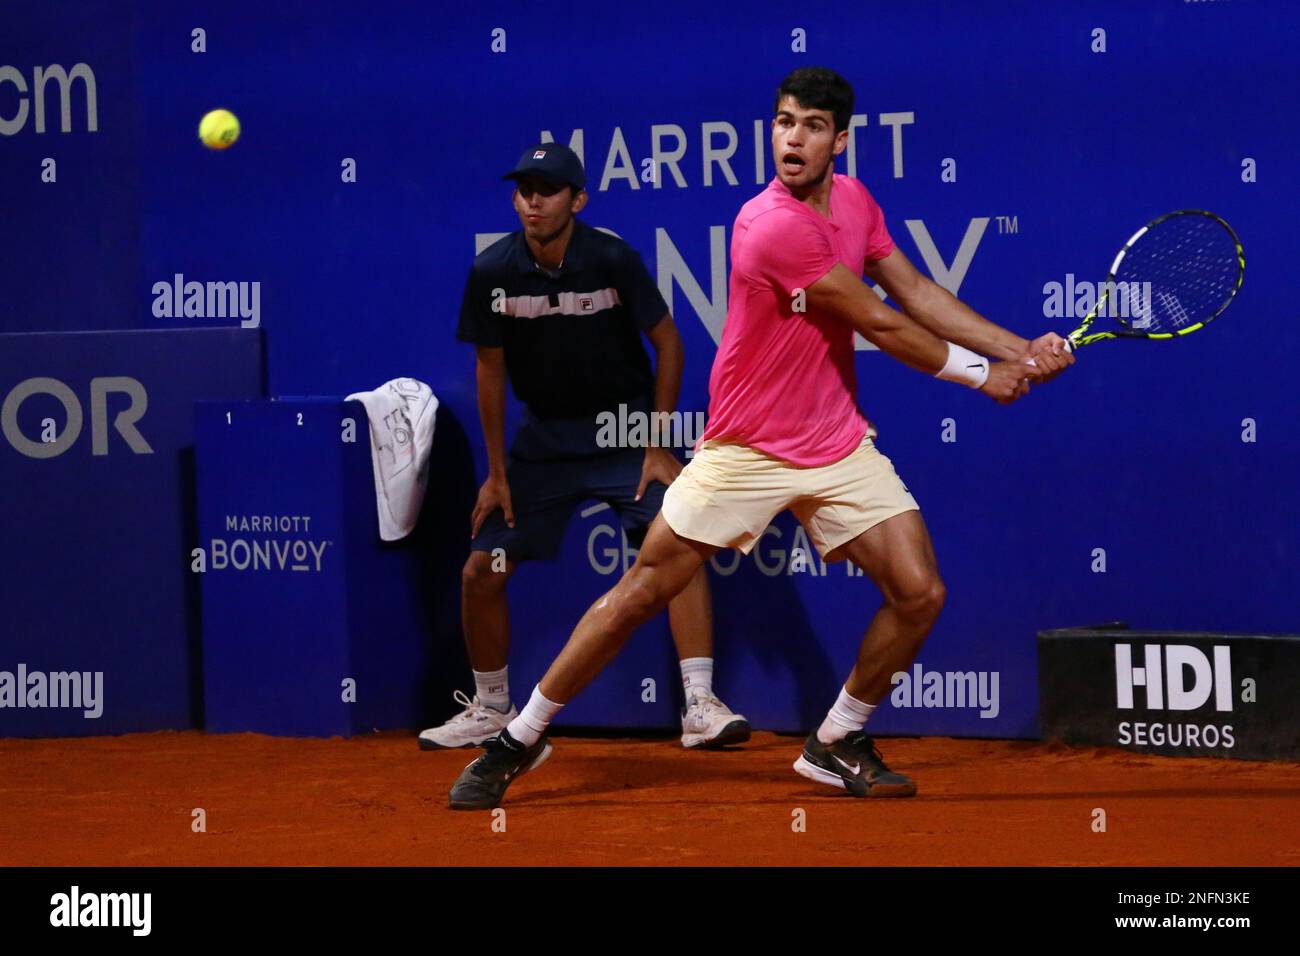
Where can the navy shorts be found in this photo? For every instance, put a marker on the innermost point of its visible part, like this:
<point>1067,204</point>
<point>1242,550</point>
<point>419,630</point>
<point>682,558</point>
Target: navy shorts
<point>545,493</point>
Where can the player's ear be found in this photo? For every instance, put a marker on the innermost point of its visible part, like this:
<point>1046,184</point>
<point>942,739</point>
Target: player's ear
<point>579,201</point>
<point>841,142</point>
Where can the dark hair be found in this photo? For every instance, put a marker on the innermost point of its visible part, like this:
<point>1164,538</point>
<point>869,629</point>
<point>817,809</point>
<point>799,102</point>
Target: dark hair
<point>818,88</point>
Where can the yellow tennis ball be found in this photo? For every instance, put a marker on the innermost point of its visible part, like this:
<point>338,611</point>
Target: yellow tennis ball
<point>219,129</point>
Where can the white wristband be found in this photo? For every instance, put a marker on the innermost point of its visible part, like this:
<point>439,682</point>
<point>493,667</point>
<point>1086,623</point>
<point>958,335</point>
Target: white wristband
<point>964,366</point>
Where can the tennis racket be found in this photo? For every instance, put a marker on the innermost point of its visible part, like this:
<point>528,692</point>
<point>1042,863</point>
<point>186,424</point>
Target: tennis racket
<point>1174,276</point>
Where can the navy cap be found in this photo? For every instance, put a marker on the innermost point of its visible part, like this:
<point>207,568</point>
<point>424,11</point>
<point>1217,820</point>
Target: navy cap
<point>553,161</point>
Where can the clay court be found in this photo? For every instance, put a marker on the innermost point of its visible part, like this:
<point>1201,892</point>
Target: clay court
<point>378,800</point>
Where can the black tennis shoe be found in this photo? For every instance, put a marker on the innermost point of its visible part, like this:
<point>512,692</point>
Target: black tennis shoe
<point>482,784</point>
<point>853,764</point>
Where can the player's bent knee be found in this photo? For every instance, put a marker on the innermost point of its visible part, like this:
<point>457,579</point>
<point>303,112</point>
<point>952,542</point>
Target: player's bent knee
<point>938,595</point>
<point>478,576</point>
<point>640,598</point>
<point>922,602</point>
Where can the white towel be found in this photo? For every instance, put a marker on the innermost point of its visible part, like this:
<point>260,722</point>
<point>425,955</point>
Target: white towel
<point>402,414</point>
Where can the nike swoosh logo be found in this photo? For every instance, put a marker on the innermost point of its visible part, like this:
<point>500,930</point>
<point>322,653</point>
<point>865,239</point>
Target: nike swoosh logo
<point>855,769</point>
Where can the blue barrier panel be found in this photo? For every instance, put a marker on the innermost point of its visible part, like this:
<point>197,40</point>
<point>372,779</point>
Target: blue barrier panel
<point>1012,148</point>
<point>311,625</point>
<point>97,519</point>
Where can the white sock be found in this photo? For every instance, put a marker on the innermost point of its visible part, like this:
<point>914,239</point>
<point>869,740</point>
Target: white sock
<point>493,688</point>
<point>697,675</point>
<point>533,720</point>
<point>849,715</point>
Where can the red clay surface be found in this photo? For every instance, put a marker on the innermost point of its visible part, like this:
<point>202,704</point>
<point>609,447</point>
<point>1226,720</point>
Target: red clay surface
<point>378,800</point>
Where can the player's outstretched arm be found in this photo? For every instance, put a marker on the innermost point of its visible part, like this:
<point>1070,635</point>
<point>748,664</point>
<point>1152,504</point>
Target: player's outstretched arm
<point>942,313</point>
<point>939,311</point>
<point>842,294</point>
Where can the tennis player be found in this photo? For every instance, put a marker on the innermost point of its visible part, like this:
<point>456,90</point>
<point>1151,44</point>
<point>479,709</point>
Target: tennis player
<point>559,309</point>
<point>785,431</point>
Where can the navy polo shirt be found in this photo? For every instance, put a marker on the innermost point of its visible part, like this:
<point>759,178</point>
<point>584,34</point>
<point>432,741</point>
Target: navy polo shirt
<point>572,340</point>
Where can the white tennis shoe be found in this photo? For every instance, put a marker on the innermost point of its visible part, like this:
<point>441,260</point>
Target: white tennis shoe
<point>709,723</point>
<point>473,725</point>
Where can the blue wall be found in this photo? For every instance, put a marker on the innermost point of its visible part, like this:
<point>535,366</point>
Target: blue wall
<point>1137,450</point>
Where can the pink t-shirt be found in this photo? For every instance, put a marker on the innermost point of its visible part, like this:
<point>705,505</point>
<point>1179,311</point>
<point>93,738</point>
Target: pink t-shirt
<point>783,381</point>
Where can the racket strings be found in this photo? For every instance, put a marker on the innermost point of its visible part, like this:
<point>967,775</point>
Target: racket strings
<point>1182,271</point>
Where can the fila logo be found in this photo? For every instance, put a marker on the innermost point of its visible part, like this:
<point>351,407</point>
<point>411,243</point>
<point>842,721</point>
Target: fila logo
<point>586,303</point>
<point>541,153</point>
<point>1179,660</point>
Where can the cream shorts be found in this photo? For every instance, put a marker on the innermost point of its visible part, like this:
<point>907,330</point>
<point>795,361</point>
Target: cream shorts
<point>728,494</point>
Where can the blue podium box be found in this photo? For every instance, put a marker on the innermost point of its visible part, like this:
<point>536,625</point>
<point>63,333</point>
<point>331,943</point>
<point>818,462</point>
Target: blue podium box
<point>312,626</point>
<point>94,528</point>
